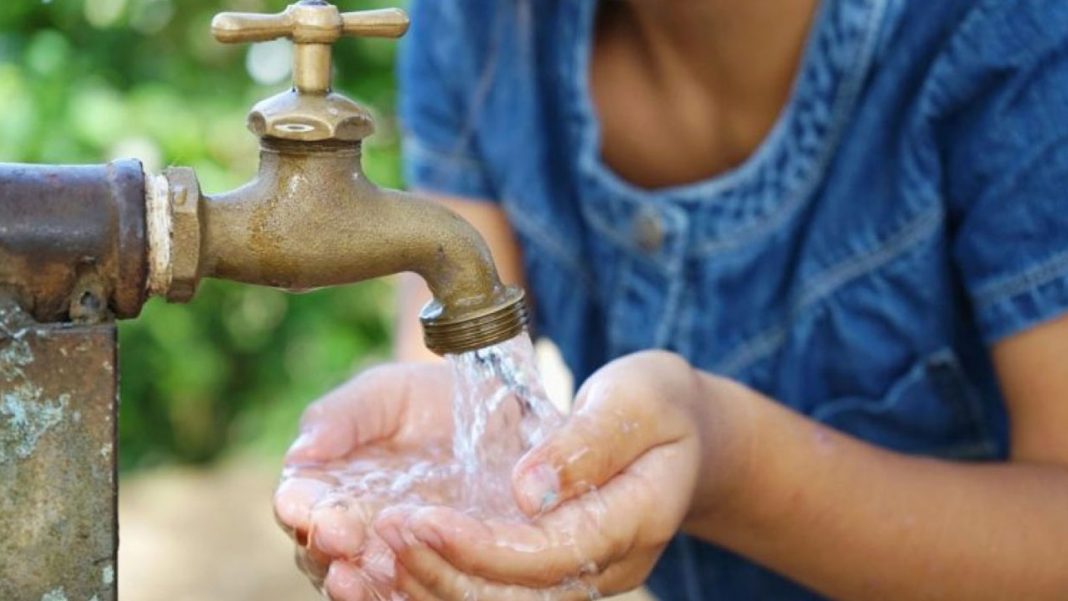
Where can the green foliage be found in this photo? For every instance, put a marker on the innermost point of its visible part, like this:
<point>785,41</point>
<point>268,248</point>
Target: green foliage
<point>238,365</point>
<point>85,81</point>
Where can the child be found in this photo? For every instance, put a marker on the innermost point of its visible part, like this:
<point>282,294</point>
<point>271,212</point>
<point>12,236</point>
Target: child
<point>846,226</point>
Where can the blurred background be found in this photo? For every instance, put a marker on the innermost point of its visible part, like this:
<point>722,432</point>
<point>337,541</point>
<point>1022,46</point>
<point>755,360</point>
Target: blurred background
<point>211,390</point>
<point>86,81</point>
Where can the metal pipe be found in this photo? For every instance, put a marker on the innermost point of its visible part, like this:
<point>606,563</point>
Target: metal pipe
<point>311,218</point>
<point>58,458</point>
<point>72,240</point>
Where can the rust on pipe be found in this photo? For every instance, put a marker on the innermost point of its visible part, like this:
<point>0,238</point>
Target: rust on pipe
<point>72,240</point>
<point>58,410</point>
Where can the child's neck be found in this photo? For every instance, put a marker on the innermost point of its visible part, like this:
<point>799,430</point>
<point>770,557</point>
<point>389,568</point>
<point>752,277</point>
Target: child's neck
<point>687,89</point>
<point>738,49</point>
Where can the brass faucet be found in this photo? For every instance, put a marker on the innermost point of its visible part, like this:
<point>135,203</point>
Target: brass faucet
<point>310,217</point>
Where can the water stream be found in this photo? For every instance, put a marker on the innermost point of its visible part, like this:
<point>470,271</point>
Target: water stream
<point>500,410</point>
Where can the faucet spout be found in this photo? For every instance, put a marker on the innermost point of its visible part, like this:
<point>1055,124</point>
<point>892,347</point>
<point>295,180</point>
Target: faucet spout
<point>311,218</point>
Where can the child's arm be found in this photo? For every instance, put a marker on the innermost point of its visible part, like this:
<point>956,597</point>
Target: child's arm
<point>858,522</point>
<point>668,450</point>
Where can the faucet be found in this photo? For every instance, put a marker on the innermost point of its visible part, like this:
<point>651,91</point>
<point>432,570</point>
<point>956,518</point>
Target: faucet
<point>311,217</point>
<point>81,246</point>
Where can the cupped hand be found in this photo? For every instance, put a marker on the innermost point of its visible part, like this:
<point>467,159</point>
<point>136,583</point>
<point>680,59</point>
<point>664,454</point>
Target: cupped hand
<point>394,416</point>
<point>606,493</point>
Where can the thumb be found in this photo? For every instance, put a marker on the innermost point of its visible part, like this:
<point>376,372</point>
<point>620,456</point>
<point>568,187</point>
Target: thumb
<point>367,408</point>
<point>611,429</point>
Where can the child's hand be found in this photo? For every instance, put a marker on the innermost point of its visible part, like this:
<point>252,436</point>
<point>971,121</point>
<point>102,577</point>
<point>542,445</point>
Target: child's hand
<point>609,491</point>
<point>394,410</point>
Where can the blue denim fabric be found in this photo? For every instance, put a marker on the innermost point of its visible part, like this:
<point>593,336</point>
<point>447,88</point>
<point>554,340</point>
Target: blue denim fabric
<point>909,209</point>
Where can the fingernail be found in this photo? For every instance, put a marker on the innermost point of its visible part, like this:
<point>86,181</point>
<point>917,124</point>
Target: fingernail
<point>540,486</point>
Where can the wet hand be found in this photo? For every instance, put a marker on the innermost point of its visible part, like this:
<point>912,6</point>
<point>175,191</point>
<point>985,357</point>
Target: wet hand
<point>607,493</point>
<point>388,415</point>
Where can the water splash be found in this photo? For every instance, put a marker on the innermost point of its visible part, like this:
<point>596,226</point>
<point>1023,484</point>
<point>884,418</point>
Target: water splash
<point>500,411</point>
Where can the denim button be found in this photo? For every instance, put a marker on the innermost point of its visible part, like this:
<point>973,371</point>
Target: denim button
<point>648,231</point>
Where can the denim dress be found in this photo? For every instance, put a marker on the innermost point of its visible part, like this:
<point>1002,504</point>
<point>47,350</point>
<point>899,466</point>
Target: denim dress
<point>908,210</point>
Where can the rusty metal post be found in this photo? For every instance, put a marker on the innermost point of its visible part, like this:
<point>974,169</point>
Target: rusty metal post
<point>72,240</point>
<point>58,416</point>
<point>72,258</point>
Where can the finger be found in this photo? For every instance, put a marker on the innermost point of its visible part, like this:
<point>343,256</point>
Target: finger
<point>326,472</point>
<point>378,562</point>
<point>616,421</point>
<point>345,582</point>
<point>629,514</point>
<point>621,577</point>
<point>432,580</point>
<point>496,550</point>
<point>311,564</point>
<point>366,408</point>
<point>339,525</point>
<point>293,503</point>
<point>372,576</point>
<point>424,576</point>
<point>411,588</point>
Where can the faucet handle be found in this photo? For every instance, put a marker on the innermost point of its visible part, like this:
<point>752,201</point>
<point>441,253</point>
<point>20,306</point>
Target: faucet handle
<point>310,112</point>
<point>313,26</point>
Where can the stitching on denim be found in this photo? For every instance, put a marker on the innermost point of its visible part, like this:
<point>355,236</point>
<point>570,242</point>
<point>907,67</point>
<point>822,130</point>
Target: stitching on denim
<point>666,316</point>
<point>976,411</point>
<point>749,352</point>
<point>848,92</point>
<point>699,192</point>
<point>984,446</point>
<point>476,100</point>
<point>670,259</point>
<point>676,283</point>
<point>561,255</point>
<point>915,231</point>
<point>482,86</point>
<point>824,285</point>
<point>1036,156</point>
<point>673,296</point>
<point>893,22</point>
<point>417,150</point>
<point>683,343</point>
<point>1032,278</point>
<point>589,126</point>
<point>694,590</point>
<point>614,305</point>
<point>609,231</point>
<point>893,397</point>
<point>987,448</point>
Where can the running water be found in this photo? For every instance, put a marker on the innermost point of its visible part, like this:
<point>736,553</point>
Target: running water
<point>500,411</point>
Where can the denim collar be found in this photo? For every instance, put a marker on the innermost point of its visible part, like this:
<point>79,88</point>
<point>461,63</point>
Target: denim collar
<point>786,168</point>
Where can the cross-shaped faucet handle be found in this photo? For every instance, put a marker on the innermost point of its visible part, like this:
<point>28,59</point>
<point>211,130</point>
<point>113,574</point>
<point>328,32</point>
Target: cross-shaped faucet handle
<point>313,26</point>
